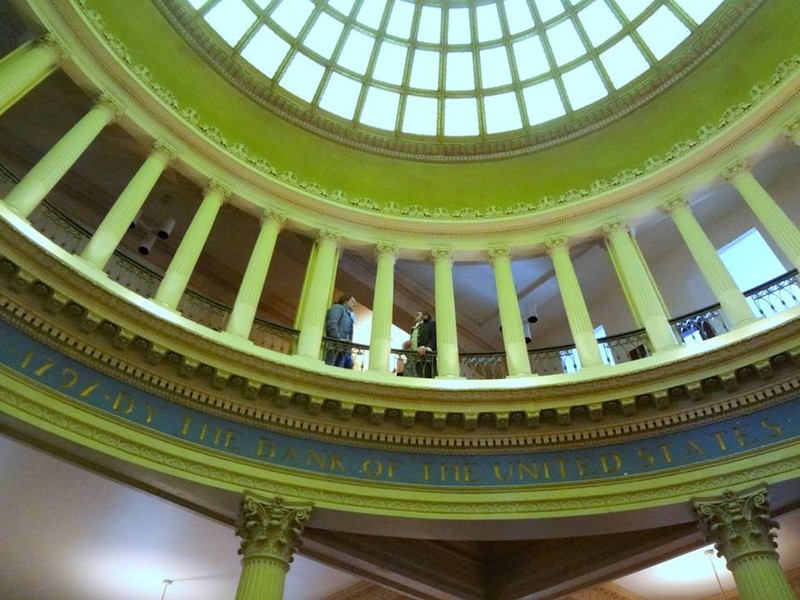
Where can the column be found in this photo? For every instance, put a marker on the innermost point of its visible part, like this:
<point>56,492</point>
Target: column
<point>271,531</point>
<point>719,279</point>
<point>183,263</point>
<point>448,361</point>
<point>580,323</point>
<point>645,298</point>
<point>380,341</point>
<point>32,189</point>
<point>510,315</point>
<point>110,232</point>
<point>26,67</point>
<point>244,308</point>
<point>739,524</point>
<point>317,295</point>
<point>766,210</point>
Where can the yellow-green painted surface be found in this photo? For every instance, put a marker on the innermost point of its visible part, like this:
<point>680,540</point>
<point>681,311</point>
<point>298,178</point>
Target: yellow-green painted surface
<point>723,80</point>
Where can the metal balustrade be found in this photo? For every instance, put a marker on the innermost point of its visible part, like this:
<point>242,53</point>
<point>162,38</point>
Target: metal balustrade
<point>770,298</point>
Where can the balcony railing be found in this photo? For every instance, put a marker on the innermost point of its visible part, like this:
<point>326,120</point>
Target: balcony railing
<point>770,298</point>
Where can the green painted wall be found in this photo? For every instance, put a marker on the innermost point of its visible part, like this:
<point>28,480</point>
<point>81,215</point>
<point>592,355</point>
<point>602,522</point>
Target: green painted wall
<point>722,80</point>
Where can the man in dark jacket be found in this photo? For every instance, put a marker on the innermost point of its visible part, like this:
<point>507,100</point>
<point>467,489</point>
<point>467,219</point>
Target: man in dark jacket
<point>339,326</point>
<point>423,343</point>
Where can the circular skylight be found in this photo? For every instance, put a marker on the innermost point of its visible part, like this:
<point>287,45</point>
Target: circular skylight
<point>440,70</point>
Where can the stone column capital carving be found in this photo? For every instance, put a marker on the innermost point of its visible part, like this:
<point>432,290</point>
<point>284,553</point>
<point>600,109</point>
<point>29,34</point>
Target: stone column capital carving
<point>496,252</point>
<point>275,216</point>
<point>164,149</point>
<point>735,169</point>
<point>109,103</point>
<point>792,130</point>
<point>555,243</point>
<point>738,523</point>
<point>329,235</point>
<point>52,44</point>
<point>613,227</point>
<point>271,528</point>
<point>386,249</point>
<point>216,186</point>
<point>445,254</point>
<point>672,204</point>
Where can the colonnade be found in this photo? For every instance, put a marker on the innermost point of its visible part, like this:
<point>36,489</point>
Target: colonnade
<point>738,523</point>
<point>26,67</point>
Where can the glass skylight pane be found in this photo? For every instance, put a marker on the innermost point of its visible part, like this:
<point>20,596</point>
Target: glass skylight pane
<point>302,77</point>
<point>197,3</point>
<point>502,112</point>
<point>391,63</point>
<point>549,8</point>
<point>488,23</point>
<point>380,108</point>
<point>461,116</point>
<point>341,95</point>
<point>518,15</point>
<point>343,6</point>
<point>291,16</point>
<point>430,25</point>
<point>584,85</point>
<point>323,35</point>
<point>400,21</point>
<point>370,14</point>
<point>458,31</point>
<point>543,102</point>
<point>425,70</point>
<point>699,10</point>
<point>265,51</point>
<point>662,32</point>
<point>623,62</point>
<point>633,8</point>
<point>230,18</point>
<point>495,70</point>
<point>420,115</point>
<point>599,22</point>
<point>530,56</point>
<point>356,52</point>
<point>565,42</point>
<point>460,73</point>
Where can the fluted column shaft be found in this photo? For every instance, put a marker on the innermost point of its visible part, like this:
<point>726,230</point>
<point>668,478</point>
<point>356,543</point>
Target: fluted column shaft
<point>510,316</point>
<point>244,309</point>
<point>739,524</point>
<point>183,263</point>
<point>317,295</point>
<point>117,221</point>
<point>717,276</point>
<point>644,298</point>
<point>25,68</point>
<point>271,531</point>
<point>580,323</point>
<point>448,361</point>
<point>380,341</point>
<point>38,182</point>
<point>780,227</point>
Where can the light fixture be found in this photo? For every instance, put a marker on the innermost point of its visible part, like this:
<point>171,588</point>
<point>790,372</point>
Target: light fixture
<point>161,229</point>
<point>167,583</point>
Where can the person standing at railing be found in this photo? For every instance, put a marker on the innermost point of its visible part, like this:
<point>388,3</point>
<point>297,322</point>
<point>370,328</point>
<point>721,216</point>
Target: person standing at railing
<point>339,326</point>
<point>423,344</point>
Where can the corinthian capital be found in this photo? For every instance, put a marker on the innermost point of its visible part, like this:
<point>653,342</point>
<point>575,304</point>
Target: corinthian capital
<point>165,150</point>
<point>109,103</point>
<point>386,249</point>
<point>735,169</point>
<point>328,235</point>
<point>614,227</point>
<point>674,203</point>
<point>53,45</point>
<point>738,523</point>
<point>438,254</point>
<point>271,528</point>
<point>498,252</point>
<point>555,243</point>
<point>215,186</point>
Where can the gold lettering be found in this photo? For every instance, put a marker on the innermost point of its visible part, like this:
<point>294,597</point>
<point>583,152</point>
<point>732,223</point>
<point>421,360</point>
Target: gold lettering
<point>336,463</point>
<point>43,369</point>
<point>583,467</point>
<point>426,471</point>
<point>124,401</point>
<point>391,466</point>
<point>469,475</point>
<point>269,445</point>
<point>499,476</point>
<point>27,360</point>
<point>648,460</point>
<point>776,430</point>
<point>531,469</point>
<point>230,438</point>
<point>150,411</point>
<point>71,378</point>
<point>665,452</point>
<point>187,423</point>
<point>617,462</point>
<point>562,467</point>
<point>692,448</point>
<point>89,389</point>
<point>291,455</point>
<point>372,468</point>
<point>720,441</point>
<point>320,460</point>
<point>743,438</point>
